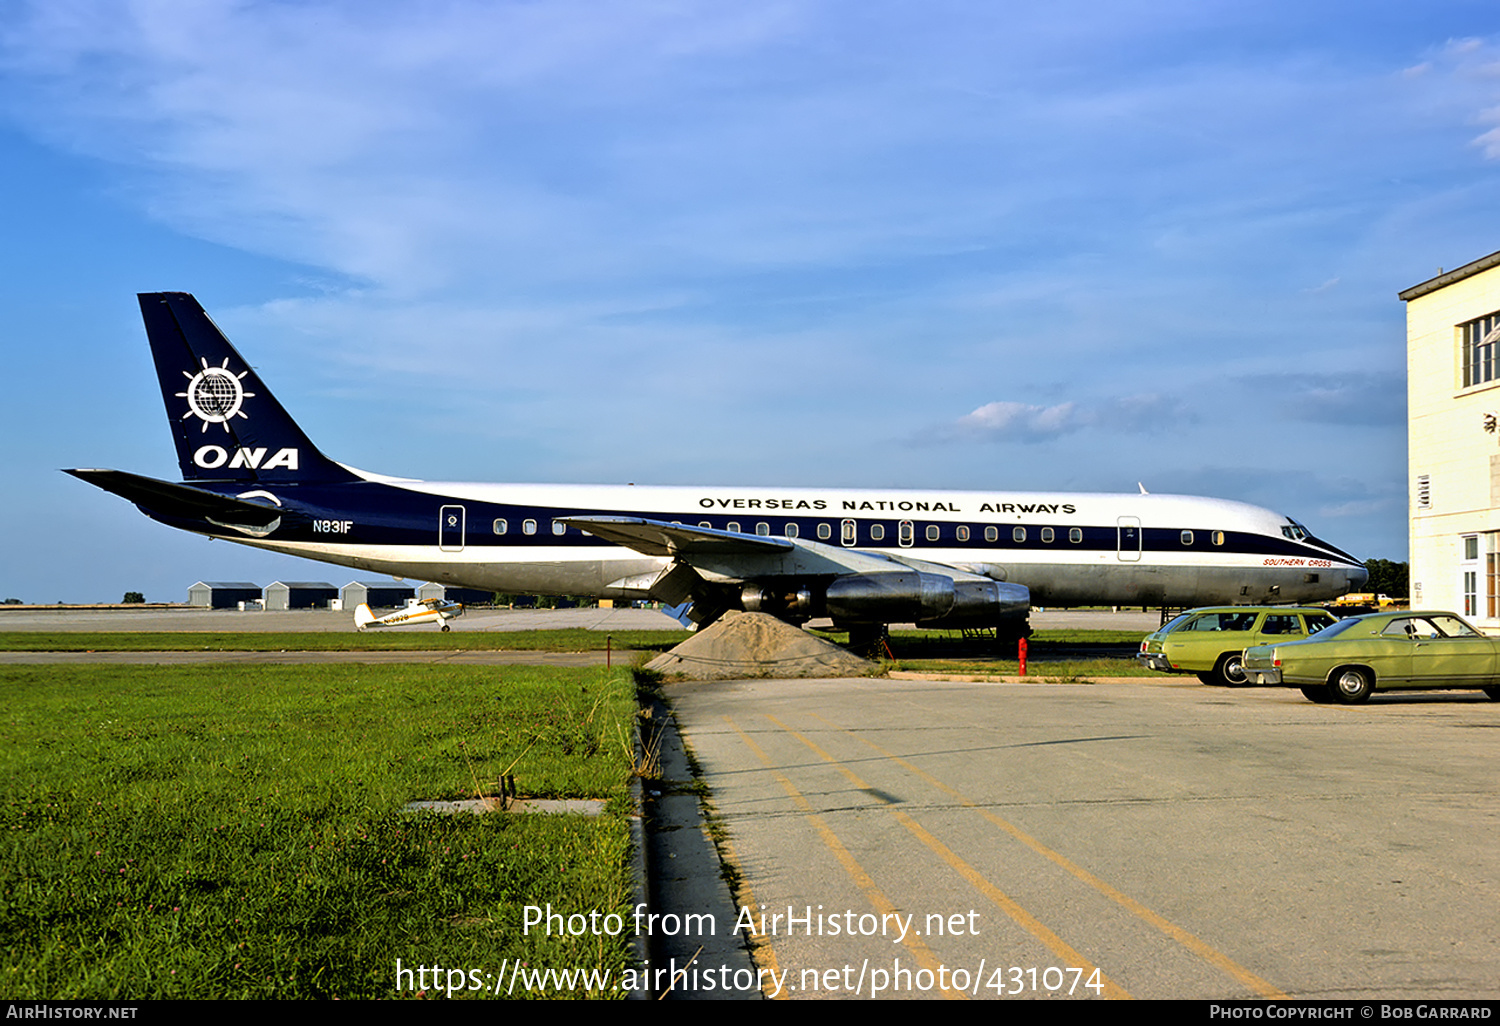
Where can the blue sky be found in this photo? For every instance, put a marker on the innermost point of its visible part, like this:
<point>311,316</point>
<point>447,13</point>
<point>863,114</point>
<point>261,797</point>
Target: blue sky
<point>989,246</point>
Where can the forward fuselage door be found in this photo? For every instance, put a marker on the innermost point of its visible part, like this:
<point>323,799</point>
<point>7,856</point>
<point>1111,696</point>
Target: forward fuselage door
<point>451,529</point>
<point>1128,531</point>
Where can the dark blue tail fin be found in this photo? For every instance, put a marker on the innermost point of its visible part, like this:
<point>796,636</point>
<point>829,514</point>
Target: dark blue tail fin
<point>227,425</point>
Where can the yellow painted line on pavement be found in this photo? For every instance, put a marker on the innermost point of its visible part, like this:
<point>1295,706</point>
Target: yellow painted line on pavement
<point>1202,949</point>
<point>1071,956</point>
<point>862,879</point>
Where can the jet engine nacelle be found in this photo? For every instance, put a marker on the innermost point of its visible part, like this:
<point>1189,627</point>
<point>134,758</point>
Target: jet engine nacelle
<point>922,598</point>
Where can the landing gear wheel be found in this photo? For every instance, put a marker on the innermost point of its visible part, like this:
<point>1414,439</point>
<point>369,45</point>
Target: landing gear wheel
<point>1352,686</point>
<point>1319,693</point>
<point>446,628</point>
<point>1230,670</point>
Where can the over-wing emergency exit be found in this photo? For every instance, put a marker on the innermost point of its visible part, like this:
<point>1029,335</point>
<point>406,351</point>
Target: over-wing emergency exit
<point>864,558</point>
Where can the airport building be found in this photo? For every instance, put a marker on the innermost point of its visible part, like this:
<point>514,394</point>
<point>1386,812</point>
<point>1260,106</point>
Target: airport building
<point>300,594</point>
<point>1453,447</point>
<point>376,594</point>
<point>222,594</point>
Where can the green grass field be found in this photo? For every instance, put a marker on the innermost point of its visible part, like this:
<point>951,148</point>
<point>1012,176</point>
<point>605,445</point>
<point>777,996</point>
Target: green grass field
<point>237,832</point>
<point>567,640</point>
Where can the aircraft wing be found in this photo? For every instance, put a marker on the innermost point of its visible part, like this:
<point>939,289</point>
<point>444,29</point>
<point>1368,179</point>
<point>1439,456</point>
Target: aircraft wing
<point>657,538</point>
<point>724,569</point>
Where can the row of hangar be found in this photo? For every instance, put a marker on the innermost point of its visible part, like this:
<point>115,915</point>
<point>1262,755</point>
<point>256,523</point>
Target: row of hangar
<point>282,595</point>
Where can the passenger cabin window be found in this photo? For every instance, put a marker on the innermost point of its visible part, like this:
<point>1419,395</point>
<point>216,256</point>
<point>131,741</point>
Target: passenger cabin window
<point>877,532</point>
<point>791,529</point>
<point>847,532</point>
<point>933,532</point>
<point>1187,537</point>
<point>705,523</point>
<point>1075,535</point>
<point>991,534</point>
<point>1048,535</point>
<point>906,533</point>
<point>1018,534</point>
<point>559,528</point>
<point>1217,537</point>
<point>528,527</point>
<point>763,529</point>
<point>501,527</point>
<point>733,525</point>
<point>962,532</point>
<point>825,531</point>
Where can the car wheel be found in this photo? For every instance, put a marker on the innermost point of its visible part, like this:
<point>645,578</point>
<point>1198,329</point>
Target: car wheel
<point>1230,669</point>
<point>1352,686</point>
<point>1320,693</point>
<point>1211,677</point>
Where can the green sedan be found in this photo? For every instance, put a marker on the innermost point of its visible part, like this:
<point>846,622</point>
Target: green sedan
<point>1381,651</point>
<point>1209,641</point>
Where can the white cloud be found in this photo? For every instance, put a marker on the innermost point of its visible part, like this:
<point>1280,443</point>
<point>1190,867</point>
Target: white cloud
<point>1007,421</point>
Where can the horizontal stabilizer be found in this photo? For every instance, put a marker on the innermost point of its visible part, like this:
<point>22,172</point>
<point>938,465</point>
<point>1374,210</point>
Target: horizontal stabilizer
<point>175,500</point>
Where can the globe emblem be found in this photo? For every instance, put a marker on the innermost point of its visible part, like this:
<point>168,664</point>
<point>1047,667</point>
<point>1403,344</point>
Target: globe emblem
<point>215,395</point>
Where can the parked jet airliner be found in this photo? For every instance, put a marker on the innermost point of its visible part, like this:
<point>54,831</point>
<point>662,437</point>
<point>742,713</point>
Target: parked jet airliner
<point>863,558</point>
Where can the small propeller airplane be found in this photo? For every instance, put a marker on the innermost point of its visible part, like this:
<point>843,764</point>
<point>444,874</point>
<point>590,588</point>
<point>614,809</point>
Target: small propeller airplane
<point>433,610</point>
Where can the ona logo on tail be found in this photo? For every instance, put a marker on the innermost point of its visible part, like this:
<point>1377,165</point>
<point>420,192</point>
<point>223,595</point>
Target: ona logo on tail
<point>211,457</point>
<point>215,395</point>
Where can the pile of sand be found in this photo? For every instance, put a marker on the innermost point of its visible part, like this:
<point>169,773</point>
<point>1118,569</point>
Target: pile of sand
<point>757,645</point>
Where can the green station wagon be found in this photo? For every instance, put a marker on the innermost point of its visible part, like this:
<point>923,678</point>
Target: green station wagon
<point>1211,642</point>
<point>1381,651</point>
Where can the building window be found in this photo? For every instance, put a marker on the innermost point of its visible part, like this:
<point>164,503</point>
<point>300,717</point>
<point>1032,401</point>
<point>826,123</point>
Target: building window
<point>1481,345</point>
<point>1424,491</point>
<point>1492,576</point>
<point>1469,571</point>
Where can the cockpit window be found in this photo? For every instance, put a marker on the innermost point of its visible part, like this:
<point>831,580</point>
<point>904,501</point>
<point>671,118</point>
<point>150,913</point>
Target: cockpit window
<point>1293,530</point>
